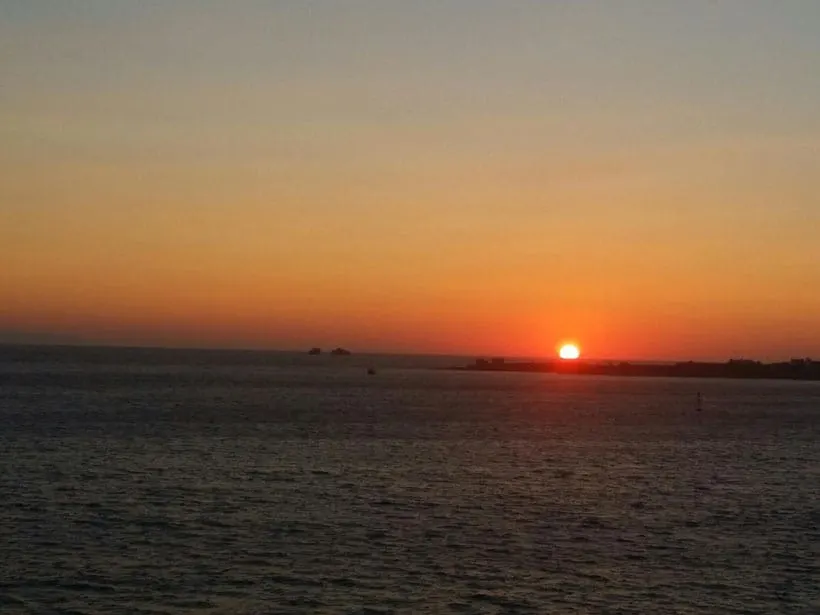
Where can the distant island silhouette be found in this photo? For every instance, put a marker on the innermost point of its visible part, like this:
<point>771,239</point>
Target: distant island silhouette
<point>338,352</point>
<point>795,369</point>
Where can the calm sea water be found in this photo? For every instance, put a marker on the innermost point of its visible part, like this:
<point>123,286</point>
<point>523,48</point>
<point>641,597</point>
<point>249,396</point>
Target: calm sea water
<point>195,482</point>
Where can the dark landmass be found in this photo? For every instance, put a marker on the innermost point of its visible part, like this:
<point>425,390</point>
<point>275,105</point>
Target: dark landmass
<point>796,369</point>
<point>339,352</point>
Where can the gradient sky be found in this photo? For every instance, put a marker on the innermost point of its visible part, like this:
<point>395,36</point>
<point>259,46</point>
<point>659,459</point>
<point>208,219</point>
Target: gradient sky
<point>428,176</point>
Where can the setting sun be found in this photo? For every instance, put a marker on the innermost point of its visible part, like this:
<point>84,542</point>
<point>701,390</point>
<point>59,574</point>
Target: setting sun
<point>569,351</point>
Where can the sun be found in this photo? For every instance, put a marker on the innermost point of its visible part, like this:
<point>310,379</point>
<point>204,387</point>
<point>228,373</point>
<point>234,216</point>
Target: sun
<point>569,352</point>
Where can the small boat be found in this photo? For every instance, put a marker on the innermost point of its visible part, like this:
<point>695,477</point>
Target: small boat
<point>371,371</point>
<point>315,351</point>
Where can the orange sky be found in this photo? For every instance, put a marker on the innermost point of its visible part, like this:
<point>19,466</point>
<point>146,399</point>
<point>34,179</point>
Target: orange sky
<point>451,178</point>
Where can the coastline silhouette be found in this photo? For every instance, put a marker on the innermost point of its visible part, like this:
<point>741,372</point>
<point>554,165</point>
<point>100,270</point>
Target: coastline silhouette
<point>795,369</point>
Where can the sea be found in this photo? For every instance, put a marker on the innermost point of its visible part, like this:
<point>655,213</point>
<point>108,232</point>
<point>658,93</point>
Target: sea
<point>175,481</point>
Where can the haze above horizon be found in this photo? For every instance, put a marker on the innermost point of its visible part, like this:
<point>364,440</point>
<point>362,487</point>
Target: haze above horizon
<point>428,177</point>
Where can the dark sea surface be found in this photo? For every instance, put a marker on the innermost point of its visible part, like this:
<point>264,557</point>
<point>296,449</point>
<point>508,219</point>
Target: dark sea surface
<point>145,481</point>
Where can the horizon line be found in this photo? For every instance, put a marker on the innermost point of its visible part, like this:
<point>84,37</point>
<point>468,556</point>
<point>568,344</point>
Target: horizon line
<point>506,357</point>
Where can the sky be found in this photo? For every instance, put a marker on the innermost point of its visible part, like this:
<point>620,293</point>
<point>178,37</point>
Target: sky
<point>642,177</point>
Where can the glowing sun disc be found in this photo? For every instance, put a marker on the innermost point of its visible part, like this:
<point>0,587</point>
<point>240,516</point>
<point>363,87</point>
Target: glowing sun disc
<point>569,352</point>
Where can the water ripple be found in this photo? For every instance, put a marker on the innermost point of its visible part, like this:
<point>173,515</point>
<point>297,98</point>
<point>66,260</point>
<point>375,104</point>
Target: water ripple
<point>416,492</point>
